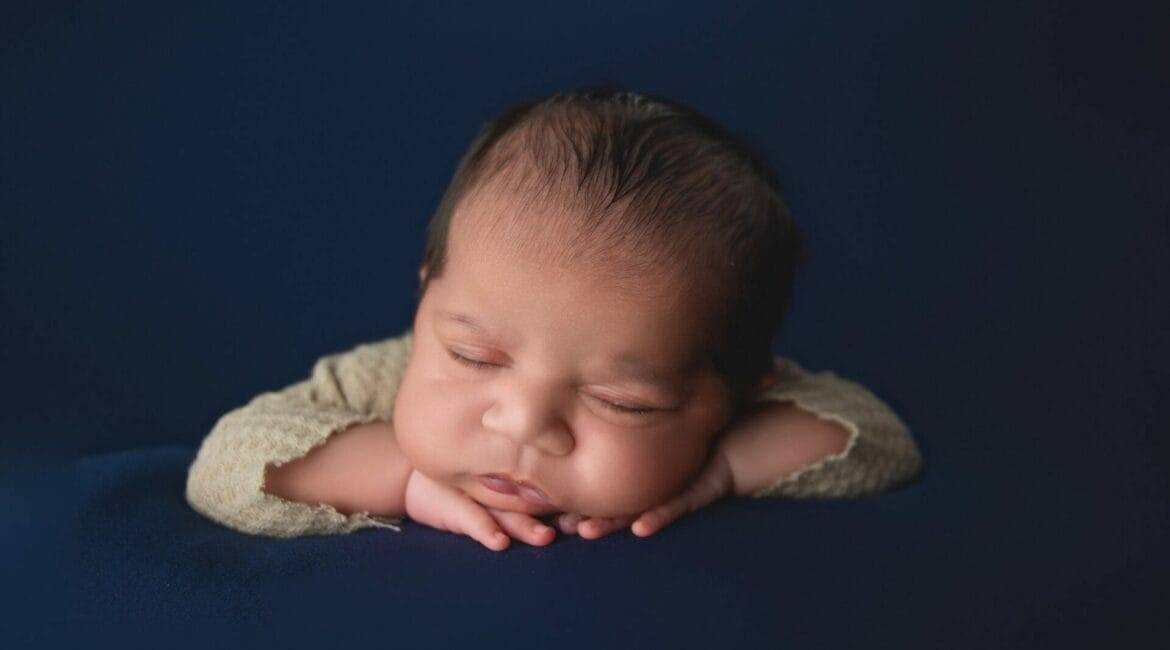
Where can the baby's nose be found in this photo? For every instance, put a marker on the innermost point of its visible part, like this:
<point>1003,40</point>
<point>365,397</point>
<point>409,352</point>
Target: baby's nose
<point>530,423</point>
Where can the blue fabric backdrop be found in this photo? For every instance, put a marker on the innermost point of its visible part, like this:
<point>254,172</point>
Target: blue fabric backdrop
<point>198,201</point>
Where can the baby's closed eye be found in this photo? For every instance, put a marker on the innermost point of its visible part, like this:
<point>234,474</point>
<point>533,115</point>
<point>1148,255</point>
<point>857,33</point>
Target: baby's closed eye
<point>620,407</point>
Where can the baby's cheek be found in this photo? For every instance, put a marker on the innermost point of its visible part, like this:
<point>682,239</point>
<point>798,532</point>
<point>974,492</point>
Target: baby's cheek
<point>410,419</point>
<point>634,481</point>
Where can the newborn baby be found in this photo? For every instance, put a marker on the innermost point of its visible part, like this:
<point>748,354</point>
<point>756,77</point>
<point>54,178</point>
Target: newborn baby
<point>591,349</point>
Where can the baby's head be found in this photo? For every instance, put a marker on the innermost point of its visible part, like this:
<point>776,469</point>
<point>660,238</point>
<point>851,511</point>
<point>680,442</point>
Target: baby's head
<point>599,294</point>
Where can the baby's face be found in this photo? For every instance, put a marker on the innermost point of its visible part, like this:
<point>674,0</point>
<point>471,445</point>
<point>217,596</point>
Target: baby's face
<point>595,394</point>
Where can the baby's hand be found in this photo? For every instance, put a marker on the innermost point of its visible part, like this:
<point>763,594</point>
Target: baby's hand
<point>713,483</point>
<point>446,508</point>
<point>591,527</point>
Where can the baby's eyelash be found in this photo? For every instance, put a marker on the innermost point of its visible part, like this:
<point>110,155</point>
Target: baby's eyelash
<point>626,409</point>
<point>470,362</point>
<point>613,406</point>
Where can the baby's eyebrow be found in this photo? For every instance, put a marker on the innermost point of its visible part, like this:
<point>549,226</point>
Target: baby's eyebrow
<point>635,368</point>
<point>464,319</point>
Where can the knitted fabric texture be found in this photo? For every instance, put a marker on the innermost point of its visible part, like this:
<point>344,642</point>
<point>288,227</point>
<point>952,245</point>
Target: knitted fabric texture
<point>225,481</point>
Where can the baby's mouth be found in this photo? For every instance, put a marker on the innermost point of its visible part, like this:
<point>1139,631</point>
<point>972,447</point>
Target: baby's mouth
<point>505,485</point>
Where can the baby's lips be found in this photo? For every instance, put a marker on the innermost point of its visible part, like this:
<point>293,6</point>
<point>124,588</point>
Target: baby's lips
<point>533,496</point>
<point>500,485</point>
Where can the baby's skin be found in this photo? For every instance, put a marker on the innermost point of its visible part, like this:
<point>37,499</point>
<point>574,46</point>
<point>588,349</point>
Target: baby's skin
<point>791,436</point>
<point>589,388</point>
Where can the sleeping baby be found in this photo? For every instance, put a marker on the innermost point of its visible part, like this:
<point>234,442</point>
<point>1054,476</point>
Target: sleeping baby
<point>591,350</point>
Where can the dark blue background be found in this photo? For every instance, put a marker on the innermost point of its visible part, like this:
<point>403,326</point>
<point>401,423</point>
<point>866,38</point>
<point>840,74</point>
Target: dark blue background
<point>196,202</point>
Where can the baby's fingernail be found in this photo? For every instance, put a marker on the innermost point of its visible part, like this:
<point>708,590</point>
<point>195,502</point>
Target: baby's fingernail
<point>539,528</point>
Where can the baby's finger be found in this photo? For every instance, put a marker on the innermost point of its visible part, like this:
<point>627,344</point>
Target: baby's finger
<point>440,506</point>
<point>652,521</point>
<point>568,523</point>
<point>482,526</point>
<point>524,527</point>
<point>713,484</point>
<point>596,527</point>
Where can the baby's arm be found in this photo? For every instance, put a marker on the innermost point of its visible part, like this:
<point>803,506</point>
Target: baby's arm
<point>252,443</point>
<point>320,457</point>
<point>362,469</point>
<point>355,470</point>
<point>809,435</point>
<point>772,439</point>
<point>776,439</point>
<point>879,453</point>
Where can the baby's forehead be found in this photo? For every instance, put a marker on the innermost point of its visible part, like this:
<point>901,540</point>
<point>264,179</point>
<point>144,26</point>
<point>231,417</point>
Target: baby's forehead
<point>561,255</point>
<point>501,227</point>
<point>508,227</point>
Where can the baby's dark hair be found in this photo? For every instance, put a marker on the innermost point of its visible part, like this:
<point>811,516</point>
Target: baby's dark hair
<point>657,182</point>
